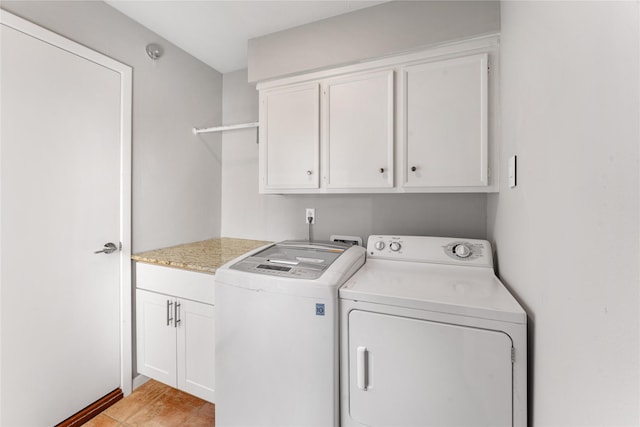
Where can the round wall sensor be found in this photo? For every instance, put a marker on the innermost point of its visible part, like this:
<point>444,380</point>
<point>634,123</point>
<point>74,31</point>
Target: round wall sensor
<point>154,51</point>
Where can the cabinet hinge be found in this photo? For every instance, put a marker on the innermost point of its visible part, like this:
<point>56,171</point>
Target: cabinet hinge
<point>513,355</point>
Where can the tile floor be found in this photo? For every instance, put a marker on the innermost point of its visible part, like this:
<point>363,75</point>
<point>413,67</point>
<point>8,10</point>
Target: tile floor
<point>154,404</point>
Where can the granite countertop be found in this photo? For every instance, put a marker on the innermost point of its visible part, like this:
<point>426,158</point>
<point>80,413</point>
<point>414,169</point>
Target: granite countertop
<point>205,256</point>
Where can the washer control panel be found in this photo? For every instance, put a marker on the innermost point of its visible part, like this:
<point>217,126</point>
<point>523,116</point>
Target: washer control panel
<point>292,259</point>
<point>440,250</point>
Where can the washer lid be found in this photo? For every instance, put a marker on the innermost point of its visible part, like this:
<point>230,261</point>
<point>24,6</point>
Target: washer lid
<point>466,291</point>
<point>293,259</point>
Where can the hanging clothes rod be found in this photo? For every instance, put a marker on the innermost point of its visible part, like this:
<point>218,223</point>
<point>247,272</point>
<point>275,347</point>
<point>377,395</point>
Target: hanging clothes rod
<point>197,131</point>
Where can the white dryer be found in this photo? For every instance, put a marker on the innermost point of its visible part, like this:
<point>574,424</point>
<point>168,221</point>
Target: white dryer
<point>276,330</point>
<point>431,337</point>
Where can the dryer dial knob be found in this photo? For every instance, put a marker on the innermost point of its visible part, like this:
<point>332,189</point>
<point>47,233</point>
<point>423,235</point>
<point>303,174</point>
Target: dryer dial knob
<point>462,251</point>
<point>379,245</point>
<point>395,246</point>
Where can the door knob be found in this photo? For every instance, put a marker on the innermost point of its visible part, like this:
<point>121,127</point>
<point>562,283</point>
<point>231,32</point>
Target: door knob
<point>108,248</point>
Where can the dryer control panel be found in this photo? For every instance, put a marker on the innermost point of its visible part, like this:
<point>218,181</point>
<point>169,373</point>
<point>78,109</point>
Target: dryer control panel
<point>437,250</point>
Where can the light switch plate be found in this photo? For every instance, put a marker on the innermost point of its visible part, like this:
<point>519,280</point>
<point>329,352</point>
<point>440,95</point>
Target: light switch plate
<point>512,171</point>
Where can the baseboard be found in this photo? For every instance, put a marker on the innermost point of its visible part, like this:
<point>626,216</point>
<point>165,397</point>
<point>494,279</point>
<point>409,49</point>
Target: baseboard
<point>138,380</point>
<point>92,410</point>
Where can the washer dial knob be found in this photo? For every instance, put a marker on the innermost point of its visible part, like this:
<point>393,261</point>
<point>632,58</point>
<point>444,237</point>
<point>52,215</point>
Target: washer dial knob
<point>379,245</point>
<point>462,251</point>
<point>395,246</point>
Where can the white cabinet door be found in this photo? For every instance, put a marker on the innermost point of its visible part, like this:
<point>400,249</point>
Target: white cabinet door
<point>196,355</point>
<point>445,123</point>
<point>290,138</point>
<point>175,335</point>
<point>411,372</point>
<point>156,336</point>
<point>359,131</point>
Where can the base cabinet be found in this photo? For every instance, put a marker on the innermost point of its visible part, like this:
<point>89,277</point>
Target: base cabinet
<point>195,350</point>
<point>175,337</point>
<point>156,337</point>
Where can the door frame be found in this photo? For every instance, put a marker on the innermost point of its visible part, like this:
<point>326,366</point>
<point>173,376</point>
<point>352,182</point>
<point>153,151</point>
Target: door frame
<point>125,72</point>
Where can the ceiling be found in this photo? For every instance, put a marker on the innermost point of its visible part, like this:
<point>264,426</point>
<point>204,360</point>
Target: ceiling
<point>216,32</point>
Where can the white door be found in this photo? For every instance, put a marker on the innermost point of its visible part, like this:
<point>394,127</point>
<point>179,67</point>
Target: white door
<point>446,123</point>
<point>196,354</point>
<point>290,138</point>
<point>61,181</point>
<point>359,131</point>
<point>408,372</point>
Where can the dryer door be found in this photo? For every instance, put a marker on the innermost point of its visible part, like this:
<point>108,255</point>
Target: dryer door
<point>411,372</point>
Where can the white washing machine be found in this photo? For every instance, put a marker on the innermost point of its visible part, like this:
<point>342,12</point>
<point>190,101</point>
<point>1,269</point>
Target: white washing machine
<point>276,329</point>
<point>431,337</point>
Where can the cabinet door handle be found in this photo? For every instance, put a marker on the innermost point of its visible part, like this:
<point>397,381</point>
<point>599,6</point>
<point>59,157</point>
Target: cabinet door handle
<point>177,314</point>
<point>381,170</point>
<point>169,318</point>
<point>413,168</point>
<point>309,172</point>
<point>361,367</point>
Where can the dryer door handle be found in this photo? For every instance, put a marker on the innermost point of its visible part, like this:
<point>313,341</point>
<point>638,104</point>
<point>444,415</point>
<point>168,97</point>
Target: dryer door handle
<point>362,357</point>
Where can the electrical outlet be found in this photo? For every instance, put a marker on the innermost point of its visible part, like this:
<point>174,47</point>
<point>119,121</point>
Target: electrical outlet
<point>310,213</point>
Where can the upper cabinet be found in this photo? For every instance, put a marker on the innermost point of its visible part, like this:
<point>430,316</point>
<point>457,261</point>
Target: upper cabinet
<point>290,138</point>
<point>445,123</point>
<point>358,131</point>
<point>419,122</point>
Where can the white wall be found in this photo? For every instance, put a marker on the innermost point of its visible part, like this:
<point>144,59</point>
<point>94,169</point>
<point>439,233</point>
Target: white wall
<point>567,235</point>
<point>371,32</point>
<point>176,176</point>
<point>385,29</point>
<point>247,214</point>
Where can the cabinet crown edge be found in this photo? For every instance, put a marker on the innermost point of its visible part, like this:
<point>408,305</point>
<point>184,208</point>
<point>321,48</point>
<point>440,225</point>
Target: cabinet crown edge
<point>436,52</point>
